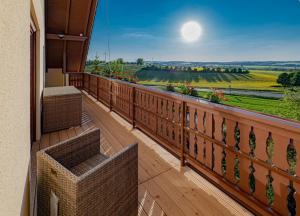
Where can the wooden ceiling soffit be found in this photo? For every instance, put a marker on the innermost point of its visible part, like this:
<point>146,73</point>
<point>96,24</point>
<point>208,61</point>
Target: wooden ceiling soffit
<point>69,25</point>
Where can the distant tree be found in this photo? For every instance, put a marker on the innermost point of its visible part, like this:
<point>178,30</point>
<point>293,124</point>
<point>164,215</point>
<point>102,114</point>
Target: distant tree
<point>96,60</point>
<point>219,70</point>
<point>284,79</point>
<point>140,61</point>
<point>295,79</point>
<point>226,70</point>
<point>89,62</point>
<point>120,60</point>
<point>240,70</point>
<point>234,70</point>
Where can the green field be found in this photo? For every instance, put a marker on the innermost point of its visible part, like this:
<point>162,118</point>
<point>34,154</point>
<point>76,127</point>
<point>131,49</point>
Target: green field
<point>264,105</point>
<point>255,80</point>
<point>259,104</point>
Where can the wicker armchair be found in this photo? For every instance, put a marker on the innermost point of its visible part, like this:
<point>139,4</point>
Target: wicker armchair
<point>85,181</point>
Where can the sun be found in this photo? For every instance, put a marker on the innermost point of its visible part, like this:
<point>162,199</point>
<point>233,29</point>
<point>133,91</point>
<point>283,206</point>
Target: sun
<point>191,31</point>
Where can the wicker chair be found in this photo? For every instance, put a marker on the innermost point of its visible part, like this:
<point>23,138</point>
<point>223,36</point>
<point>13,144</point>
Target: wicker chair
<point>85,181</point>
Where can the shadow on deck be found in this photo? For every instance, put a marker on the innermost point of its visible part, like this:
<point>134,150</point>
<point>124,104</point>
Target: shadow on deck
<point>165,188</point>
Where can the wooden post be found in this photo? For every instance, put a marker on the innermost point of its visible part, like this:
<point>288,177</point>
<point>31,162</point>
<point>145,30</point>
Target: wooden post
<point>69,80</point>
<point>110,95</point>
<point>133,107</point>
<point>97,88</point>
<point>183,122</point>
<point>89,84</point>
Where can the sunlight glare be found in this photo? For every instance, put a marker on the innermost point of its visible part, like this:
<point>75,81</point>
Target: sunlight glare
<point>191,31</point>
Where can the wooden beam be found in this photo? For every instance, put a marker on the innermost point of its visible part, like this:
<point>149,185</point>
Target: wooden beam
<point>66,32</point>
<point>64,37</point>
<point>87,20</point>
<point>88,32</point>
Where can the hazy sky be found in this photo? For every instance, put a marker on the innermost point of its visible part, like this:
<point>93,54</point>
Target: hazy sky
<point>233,30</point>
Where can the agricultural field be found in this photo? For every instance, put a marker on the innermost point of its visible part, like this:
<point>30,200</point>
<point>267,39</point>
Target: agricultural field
<point>256,80</point>
<point>262,81</point>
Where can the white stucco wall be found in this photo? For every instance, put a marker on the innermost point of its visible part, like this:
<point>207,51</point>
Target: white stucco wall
<point>15,100</point>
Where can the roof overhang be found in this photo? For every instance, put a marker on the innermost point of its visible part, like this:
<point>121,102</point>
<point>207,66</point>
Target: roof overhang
<point>69,25</point>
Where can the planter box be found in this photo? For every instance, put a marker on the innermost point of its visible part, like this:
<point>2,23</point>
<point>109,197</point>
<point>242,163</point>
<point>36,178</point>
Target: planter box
<point>62,108</point>
<point>85,182</point>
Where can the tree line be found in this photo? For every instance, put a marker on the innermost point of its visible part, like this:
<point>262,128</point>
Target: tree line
<point>96,61</point>
<point>289,79</point>
<point>195,69</point>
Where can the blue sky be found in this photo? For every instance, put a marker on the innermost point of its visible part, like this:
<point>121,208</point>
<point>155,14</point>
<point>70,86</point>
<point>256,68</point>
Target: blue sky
<point>233,30</point>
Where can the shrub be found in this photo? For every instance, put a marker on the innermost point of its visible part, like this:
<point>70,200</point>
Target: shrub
<point>170,87</point>
<point>193,92</point>
<point>187,89</point>
<point>284,79</point>
<point>295,79</point>
<point>184,89</point>
<point>216,96</point>
<point>292,98</point>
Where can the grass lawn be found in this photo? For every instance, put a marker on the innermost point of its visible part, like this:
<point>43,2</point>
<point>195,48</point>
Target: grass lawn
<point>264,105</point>
<point>274,107</point>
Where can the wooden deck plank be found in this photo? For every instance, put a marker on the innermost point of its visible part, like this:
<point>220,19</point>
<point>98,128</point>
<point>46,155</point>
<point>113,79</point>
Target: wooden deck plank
<point>54,138</point>
<point>149,205</point>
<point>188,196</point>
<point>63,135</point>
<point>44,142</point>
<point>164,200</point>
<point>71,132</point>
<point>141,211</point>
<point>78,130</point>
<point>143,175</point>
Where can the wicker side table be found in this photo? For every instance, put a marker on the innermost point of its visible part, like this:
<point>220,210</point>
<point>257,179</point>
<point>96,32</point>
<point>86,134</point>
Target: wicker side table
<point>62,108</point>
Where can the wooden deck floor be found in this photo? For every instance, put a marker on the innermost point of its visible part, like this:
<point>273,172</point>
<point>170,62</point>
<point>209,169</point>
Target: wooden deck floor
<point>165,188</point>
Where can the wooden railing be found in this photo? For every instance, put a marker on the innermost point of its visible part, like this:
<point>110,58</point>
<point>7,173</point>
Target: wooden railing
<point>251,156</point>
<point>76,79</point>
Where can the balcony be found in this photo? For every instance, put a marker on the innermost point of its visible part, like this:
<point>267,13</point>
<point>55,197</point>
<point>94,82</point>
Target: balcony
<point>195,157</point>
